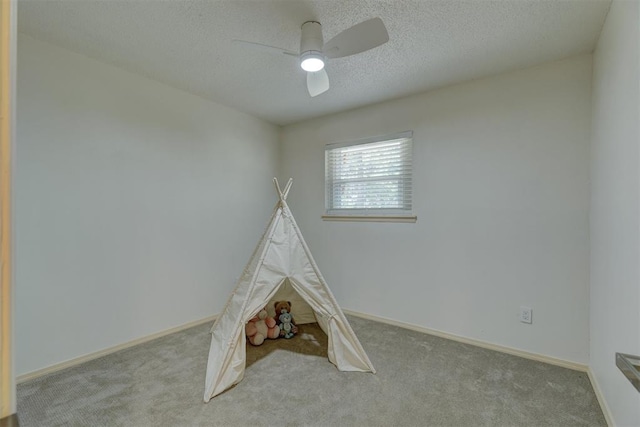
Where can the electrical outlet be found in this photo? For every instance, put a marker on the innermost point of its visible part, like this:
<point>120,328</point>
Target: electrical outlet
<point>526,314</point>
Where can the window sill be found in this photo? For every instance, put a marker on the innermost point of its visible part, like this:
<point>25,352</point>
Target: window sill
<point>370,218</point>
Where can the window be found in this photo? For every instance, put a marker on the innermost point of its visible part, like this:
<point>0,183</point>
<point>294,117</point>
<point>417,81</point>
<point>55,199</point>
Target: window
<point>369,179</point>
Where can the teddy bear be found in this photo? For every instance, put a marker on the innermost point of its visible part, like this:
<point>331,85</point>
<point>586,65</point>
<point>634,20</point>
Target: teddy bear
<point>283,305</point>
<point>286,327</point>
<point>281,308</point>
<point>261,327</point>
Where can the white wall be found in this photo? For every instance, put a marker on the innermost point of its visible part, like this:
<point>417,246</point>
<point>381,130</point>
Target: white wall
<point>137,204</point>
<point>501,192</point>
<point>615,208</point>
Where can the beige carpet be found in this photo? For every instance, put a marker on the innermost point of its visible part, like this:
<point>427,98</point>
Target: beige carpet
<point>421,381</point>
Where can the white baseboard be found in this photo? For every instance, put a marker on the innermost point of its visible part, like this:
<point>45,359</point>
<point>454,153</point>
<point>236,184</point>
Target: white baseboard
<point>601,400</point>
<point>478,343</point>
<point>504,349</point>
<point>87,357</point>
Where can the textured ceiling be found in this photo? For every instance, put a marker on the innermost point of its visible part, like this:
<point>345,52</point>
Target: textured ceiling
<point>187,44</point>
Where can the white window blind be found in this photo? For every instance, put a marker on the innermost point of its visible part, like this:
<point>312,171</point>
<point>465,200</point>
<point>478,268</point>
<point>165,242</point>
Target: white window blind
<point>369,177</point>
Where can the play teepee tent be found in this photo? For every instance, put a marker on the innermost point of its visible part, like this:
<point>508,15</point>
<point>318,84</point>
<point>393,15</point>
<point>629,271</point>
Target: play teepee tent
<point>281,267</point>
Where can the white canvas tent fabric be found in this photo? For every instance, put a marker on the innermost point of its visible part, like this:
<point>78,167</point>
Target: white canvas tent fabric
<point>281,259</point>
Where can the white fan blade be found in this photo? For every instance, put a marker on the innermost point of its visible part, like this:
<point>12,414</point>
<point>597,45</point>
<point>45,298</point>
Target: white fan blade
<point>359,38</point>
<point>317,82</point>
<point>266,48</point>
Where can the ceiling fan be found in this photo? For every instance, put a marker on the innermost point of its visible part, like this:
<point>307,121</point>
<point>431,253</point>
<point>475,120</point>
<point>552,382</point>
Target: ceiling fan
<point>314,53</point>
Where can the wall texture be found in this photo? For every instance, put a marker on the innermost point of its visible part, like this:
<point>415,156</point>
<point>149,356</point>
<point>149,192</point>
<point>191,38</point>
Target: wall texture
<point>137,204</point>
<point>615,207</point>
<point>502,196</point>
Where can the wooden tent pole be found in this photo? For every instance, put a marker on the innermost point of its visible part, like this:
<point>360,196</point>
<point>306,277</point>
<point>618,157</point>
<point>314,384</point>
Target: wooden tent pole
<point>287,188</point>
<point>275,182</point>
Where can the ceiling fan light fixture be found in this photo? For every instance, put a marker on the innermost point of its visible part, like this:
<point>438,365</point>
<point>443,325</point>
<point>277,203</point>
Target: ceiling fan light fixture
<point>314,53</point>
<point>312,61</point>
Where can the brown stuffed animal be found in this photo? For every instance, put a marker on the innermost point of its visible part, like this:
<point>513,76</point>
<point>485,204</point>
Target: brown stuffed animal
<point>282,306</point>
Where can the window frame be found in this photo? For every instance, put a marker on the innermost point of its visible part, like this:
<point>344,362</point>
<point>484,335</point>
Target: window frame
<point>374,214</point>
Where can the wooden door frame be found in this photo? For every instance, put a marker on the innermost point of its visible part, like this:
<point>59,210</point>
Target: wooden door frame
<point>7,90</point>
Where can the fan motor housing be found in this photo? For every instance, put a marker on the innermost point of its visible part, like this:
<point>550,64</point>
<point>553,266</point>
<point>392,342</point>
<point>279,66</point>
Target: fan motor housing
<point>311,40</point>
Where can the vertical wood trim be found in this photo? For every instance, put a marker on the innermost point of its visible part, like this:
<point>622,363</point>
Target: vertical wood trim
<point>6,392</point>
